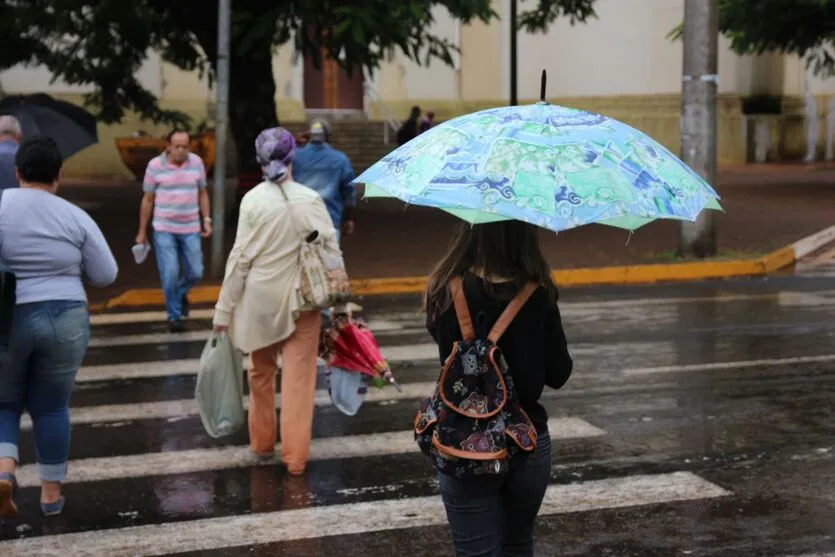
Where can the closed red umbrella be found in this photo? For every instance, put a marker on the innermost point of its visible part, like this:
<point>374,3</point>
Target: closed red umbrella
<point>349,344</point>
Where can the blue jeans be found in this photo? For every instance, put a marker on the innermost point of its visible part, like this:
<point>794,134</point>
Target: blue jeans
<point>48,342</point>
<point>171,250</point>
<point>494,517</point>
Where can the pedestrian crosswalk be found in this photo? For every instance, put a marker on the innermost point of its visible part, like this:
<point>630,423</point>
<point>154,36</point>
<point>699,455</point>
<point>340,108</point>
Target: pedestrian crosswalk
<point>350,518</point>
<point>144,479</point>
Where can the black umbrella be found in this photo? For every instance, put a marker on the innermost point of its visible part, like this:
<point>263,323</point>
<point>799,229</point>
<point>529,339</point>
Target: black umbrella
<point>72,127</point>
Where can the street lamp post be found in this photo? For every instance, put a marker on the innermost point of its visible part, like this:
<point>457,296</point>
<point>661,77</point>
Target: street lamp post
<point>514,97</point>
<point>221,132</point>
<point>698,115</point>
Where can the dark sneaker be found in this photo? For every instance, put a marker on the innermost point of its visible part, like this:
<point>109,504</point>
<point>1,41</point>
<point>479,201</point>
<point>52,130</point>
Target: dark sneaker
<point>176,326</point>
<point>185,306</point>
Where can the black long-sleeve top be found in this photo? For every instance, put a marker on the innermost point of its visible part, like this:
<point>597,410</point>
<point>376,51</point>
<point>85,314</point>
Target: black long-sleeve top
<point>534,344</point>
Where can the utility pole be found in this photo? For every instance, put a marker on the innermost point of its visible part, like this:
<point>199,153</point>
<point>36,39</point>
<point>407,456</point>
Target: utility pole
<point>514,97</point>
<point>698,115</point>
<point>221,132</point>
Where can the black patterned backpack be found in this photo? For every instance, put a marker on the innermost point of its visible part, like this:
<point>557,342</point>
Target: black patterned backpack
<point>473,424</point>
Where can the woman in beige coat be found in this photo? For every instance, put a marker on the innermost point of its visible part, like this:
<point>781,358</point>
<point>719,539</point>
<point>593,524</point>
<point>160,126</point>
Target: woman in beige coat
<point>260,305</point>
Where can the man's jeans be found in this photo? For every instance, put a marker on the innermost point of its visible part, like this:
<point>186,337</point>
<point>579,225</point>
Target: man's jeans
<point>494,517</point>
<point>48,342</point>
<point>171,251</point>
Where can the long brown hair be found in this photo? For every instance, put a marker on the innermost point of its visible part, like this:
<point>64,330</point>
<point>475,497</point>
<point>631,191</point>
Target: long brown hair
<point>508,249</point>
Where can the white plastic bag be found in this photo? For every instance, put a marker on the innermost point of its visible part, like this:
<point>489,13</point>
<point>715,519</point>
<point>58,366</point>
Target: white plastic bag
<point>220,385</point>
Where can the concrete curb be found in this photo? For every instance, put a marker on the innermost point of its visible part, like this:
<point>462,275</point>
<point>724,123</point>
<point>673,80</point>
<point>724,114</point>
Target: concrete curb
<point>601,276</point>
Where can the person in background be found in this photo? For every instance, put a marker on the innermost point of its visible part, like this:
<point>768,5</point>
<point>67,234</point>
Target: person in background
<point>10,136</point>
<point>260,306</point>
<point>328,171</point>
<point>409,130</point>
<point>427,122</point>
<point>495,261</point>
<point>52,247</point>
<point>175,193</point>
<point>302,139</point>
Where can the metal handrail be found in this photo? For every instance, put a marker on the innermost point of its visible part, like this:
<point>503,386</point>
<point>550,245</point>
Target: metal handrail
<point>390,121</point>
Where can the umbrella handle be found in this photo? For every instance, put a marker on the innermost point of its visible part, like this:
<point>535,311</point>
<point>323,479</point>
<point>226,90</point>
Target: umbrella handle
<point>542,82</point>
<point>389,376</point>
<point>393,381</point>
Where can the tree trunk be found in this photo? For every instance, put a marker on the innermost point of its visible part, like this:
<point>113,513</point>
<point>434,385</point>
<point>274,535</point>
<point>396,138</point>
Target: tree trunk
<point>251,101</point>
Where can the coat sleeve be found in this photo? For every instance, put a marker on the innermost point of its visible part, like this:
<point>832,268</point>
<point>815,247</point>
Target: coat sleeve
<point>249,243</point>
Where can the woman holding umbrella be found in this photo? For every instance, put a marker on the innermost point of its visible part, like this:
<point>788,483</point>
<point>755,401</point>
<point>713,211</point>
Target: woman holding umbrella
<point>507,171</point>
<point>495,261</point>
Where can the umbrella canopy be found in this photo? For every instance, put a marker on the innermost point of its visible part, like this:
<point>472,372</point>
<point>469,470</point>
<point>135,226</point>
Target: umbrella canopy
<point>547,165</point>
<point>72,127</point>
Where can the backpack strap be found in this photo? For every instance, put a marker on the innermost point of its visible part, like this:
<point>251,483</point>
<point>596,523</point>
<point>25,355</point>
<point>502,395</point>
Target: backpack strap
<point>462,310</point>
<point>510,312</point>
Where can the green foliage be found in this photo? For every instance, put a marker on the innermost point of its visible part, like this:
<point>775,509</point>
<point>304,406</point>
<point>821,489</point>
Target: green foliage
<point>99,43</point>
<point>548,11</point>
<point>801,27</point>
<point>104,43</point>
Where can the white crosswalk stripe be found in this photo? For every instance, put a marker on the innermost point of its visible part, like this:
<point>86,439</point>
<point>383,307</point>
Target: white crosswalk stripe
<point>357,518</point>
<point>197,460</point>
<point>114,464</point>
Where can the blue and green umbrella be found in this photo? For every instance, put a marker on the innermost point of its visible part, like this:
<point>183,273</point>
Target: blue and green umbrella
<point>547,165</point>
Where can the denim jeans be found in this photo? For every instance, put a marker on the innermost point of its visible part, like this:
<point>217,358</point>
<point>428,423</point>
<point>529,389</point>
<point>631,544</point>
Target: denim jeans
<point>494,517</point>
<point>48,342</point>
<point>172,250</point>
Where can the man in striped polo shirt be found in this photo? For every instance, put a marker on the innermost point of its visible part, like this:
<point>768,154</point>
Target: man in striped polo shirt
<point>175,192</point>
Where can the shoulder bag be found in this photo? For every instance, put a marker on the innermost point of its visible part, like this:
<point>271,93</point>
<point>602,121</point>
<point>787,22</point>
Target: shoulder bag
<point>323,281</point>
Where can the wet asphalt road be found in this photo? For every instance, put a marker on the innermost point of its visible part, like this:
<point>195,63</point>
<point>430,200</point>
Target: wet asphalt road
<point>698,421</point>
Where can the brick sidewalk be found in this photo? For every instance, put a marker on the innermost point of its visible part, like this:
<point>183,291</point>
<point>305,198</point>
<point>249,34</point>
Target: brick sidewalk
<point>767,207</point>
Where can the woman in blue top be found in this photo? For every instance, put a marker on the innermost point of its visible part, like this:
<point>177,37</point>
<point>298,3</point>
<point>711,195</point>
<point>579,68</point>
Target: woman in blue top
<point>51,246</point>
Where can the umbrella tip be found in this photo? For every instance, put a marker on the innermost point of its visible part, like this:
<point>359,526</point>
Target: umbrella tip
<point>544,79</point>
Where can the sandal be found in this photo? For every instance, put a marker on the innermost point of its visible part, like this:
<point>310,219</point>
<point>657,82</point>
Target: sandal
<point>53,509</point>
<point>8,490</point>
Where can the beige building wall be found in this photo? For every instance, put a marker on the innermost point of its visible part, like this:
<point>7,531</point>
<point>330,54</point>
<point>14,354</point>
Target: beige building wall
<point>103,158</point>
<point>795,75</point>
<point>475,74</point>
<point>176,89</point>
<point>288,71</point>
<point>625,51</point>
<point>621,64</point>
<point>435,80</point>
<point>793,129</point>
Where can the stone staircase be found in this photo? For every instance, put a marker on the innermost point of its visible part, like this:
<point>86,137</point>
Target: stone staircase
<point>362,141</point>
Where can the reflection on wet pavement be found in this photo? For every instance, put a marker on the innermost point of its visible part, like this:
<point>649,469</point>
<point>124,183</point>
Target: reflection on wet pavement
<point>699,421</point>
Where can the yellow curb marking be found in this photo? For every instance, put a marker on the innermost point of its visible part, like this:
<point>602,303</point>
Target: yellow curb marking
<point>600,276</point>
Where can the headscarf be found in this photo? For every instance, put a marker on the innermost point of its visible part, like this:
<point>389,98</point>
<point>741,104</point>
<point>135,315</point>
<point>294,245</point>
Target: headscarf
<point>275,149</point>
